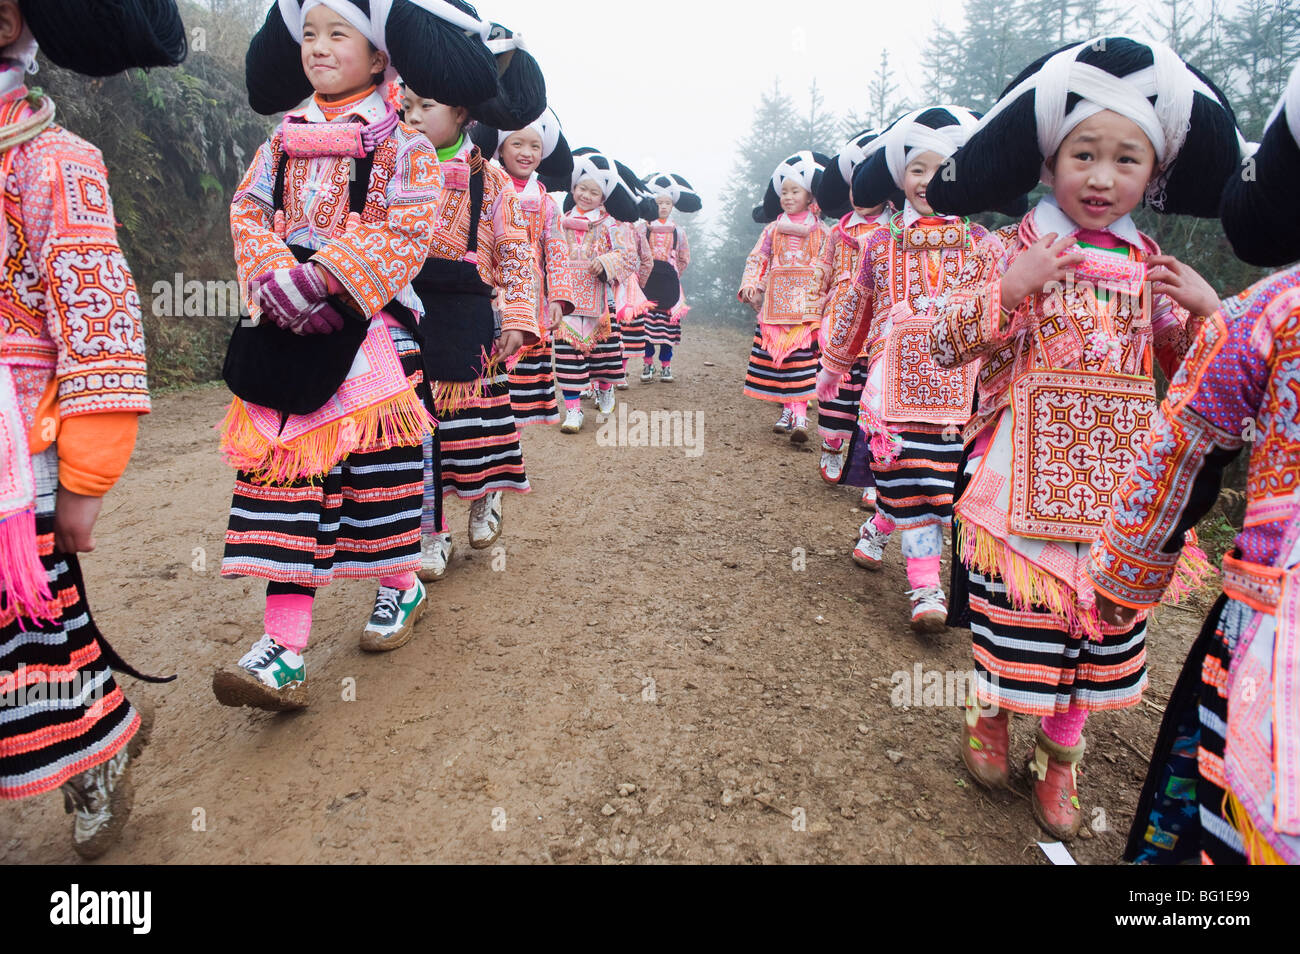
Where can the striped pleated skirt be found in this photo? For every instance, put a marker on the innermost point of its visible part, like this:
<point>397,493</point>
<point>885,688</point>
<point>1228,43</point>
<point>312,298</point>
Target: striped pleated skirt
<point>479,446</point>
<point>361,521</point>
<point>532,386</point>
<point>634,336</point>
<point>915,489</point>
<point>575,370</point>
<point>1180,816</point>
<point>61,710</point>
<point>795,379</point>
<point>660,329</point>
<point>1027,661</point>
<point>838,418</point>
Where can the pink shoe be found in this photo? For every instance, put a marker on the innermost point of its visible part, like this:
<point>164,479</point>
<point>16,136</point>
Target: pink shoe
<point>1053,782</point>
<point>986,740</point>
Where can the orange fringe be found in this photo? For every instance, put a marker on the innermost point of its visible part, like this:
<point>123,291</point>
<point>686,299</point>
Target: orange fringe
<point>401,422</point>
<point>451,397</point>
<point>1028,587</point>
<point>785,339</point>
<point>1258,850</point>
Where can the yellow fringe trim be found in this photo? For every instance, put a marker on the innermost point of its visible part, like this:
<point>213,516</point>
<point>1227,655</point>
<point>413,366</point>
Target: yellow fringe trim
<point>400,422</point>
<point>450,397</point>
<point>1258,850</point>
<point>1028,587</point>
<point>780,344</point>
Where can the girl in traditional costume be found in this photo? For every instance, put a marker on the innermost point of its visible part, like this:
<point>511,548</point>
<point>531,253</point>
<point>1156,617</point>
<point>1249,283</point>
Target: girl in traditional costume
<point>837,418</point>
<point>1067,323</point>
<point>671,254</point>
<point>912,409</point>
<point>1224,782</point>
<point>331,223</point>
<point>73,383</point>
<point>480,256</point>
<point>782,284</point>
<point>630,304</point>
<point>528,155</point>
<point>592,258</point>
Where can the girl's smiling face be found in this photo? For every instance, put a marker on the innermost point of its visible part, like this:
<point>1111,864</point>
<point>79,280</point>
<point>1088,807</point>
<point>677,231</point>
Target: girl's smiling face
<point>338,60</point>
<point>440,124</point>
<point>587,195</point>
<point>521,152</point>
<point>1102,169</point>
<point>920,169</point>
<point>794,197</point>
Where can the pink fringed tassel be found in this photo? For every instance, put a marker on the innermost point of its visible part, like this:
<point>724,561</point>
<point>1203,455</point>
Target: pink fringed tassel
<point>23,586</point>
<point>1191,573</point>
<point>885,447</point>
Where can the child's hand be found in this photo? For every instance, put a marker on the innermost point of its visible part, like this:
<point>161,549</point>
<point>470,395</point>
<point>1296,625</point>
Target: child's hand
<point>1183,284</point>
<point>1115,614</point>
<point>555,312</point>
<point>828,385</point>
<point>1047,260</point>
<point>74,521</point>
<point>509,342</point>
<point>596,270</point>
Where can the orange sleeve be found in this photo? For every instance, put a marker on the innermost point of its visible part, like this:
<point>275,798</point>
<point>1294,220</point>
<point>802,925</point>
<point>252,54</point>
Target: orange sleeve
<point>93,448</point>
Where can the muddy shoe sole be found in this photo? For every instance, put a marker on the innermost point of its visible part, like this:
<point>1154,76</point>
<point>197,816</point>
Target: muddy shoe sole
<point>238,687</point>
<point>798,435</point>
<point>374,643</point>
<point>866,564</point>
<point>930,623</point>
<point>120,804</point>
<point>488,541</point>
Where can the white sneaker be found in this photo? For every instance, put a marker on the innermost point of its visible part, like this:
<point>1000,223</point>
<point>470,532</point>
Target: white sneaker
<point>621,385</point>
<point>869,498</point>
<point>647,374</point>
<point>605,400</point>
<point>588,394</point>
<point>870,550</point>
<point>485,521</point>
<point>435,554</point>
<point>392,622</point>
<point>269,676</point>
<point>572,421</point>
<point>666,375</point>
<point>100,801</point>
<point>782,425</point>
<point>798,430</point>
<point>832,464</point>
<point>929,609</point>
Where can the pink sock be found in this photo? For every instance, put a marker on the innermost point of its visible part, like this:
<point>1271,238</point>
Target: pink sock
<point>649,362</point>
<point>625,365</point>
<point>922,571</point>
<point>399,581</point>
<point>799,408</point>
<point>834,443</point>
<point>572,404</point>
<point>882,523</point>
<point>664,364</point>
<point>288,620</point>
<point>1065,728</point>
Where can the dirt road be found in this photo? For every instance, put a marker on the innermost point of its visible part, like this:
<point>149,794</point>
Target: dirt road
<point>670,658</point>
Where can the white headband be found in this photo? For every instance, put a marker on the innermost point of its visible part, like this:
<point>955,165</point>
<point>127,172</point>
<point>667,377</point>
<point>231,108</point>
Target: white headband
<point>607,179</point>
<point>546,125</point>
<point>907,136</point>
<point>802,170</point>
<point>853,154</point>
<point>1290,101</point>
<point>1168,79</point>
<point>374,25</point>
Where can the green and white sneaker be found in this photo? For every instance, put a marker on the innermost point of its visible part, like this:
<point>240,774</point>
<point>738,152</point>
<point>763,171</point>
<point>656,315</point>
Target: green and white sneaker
<point>269,676</point>
<point>392,624</point>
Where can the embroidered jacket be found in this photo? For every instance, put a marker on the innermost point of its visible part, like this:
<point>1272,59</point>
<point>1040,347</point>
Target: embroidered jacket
<point>660,236</point>
<point>505,254</point>
<point>1071,327</point>
<point>1238,387</point>
<point>586,238</point>
<point>541,219</point>
<point>783,264</point>
<point>639,249</point>
<point>70,325</point>
<point>374,253</point>
<point>840,259</point>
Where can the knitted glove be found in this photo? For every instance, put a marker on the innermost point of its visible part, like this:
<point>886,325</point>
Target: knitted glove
<point>324,319</point>
<point>828,384</point>
<point>287,294</point>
